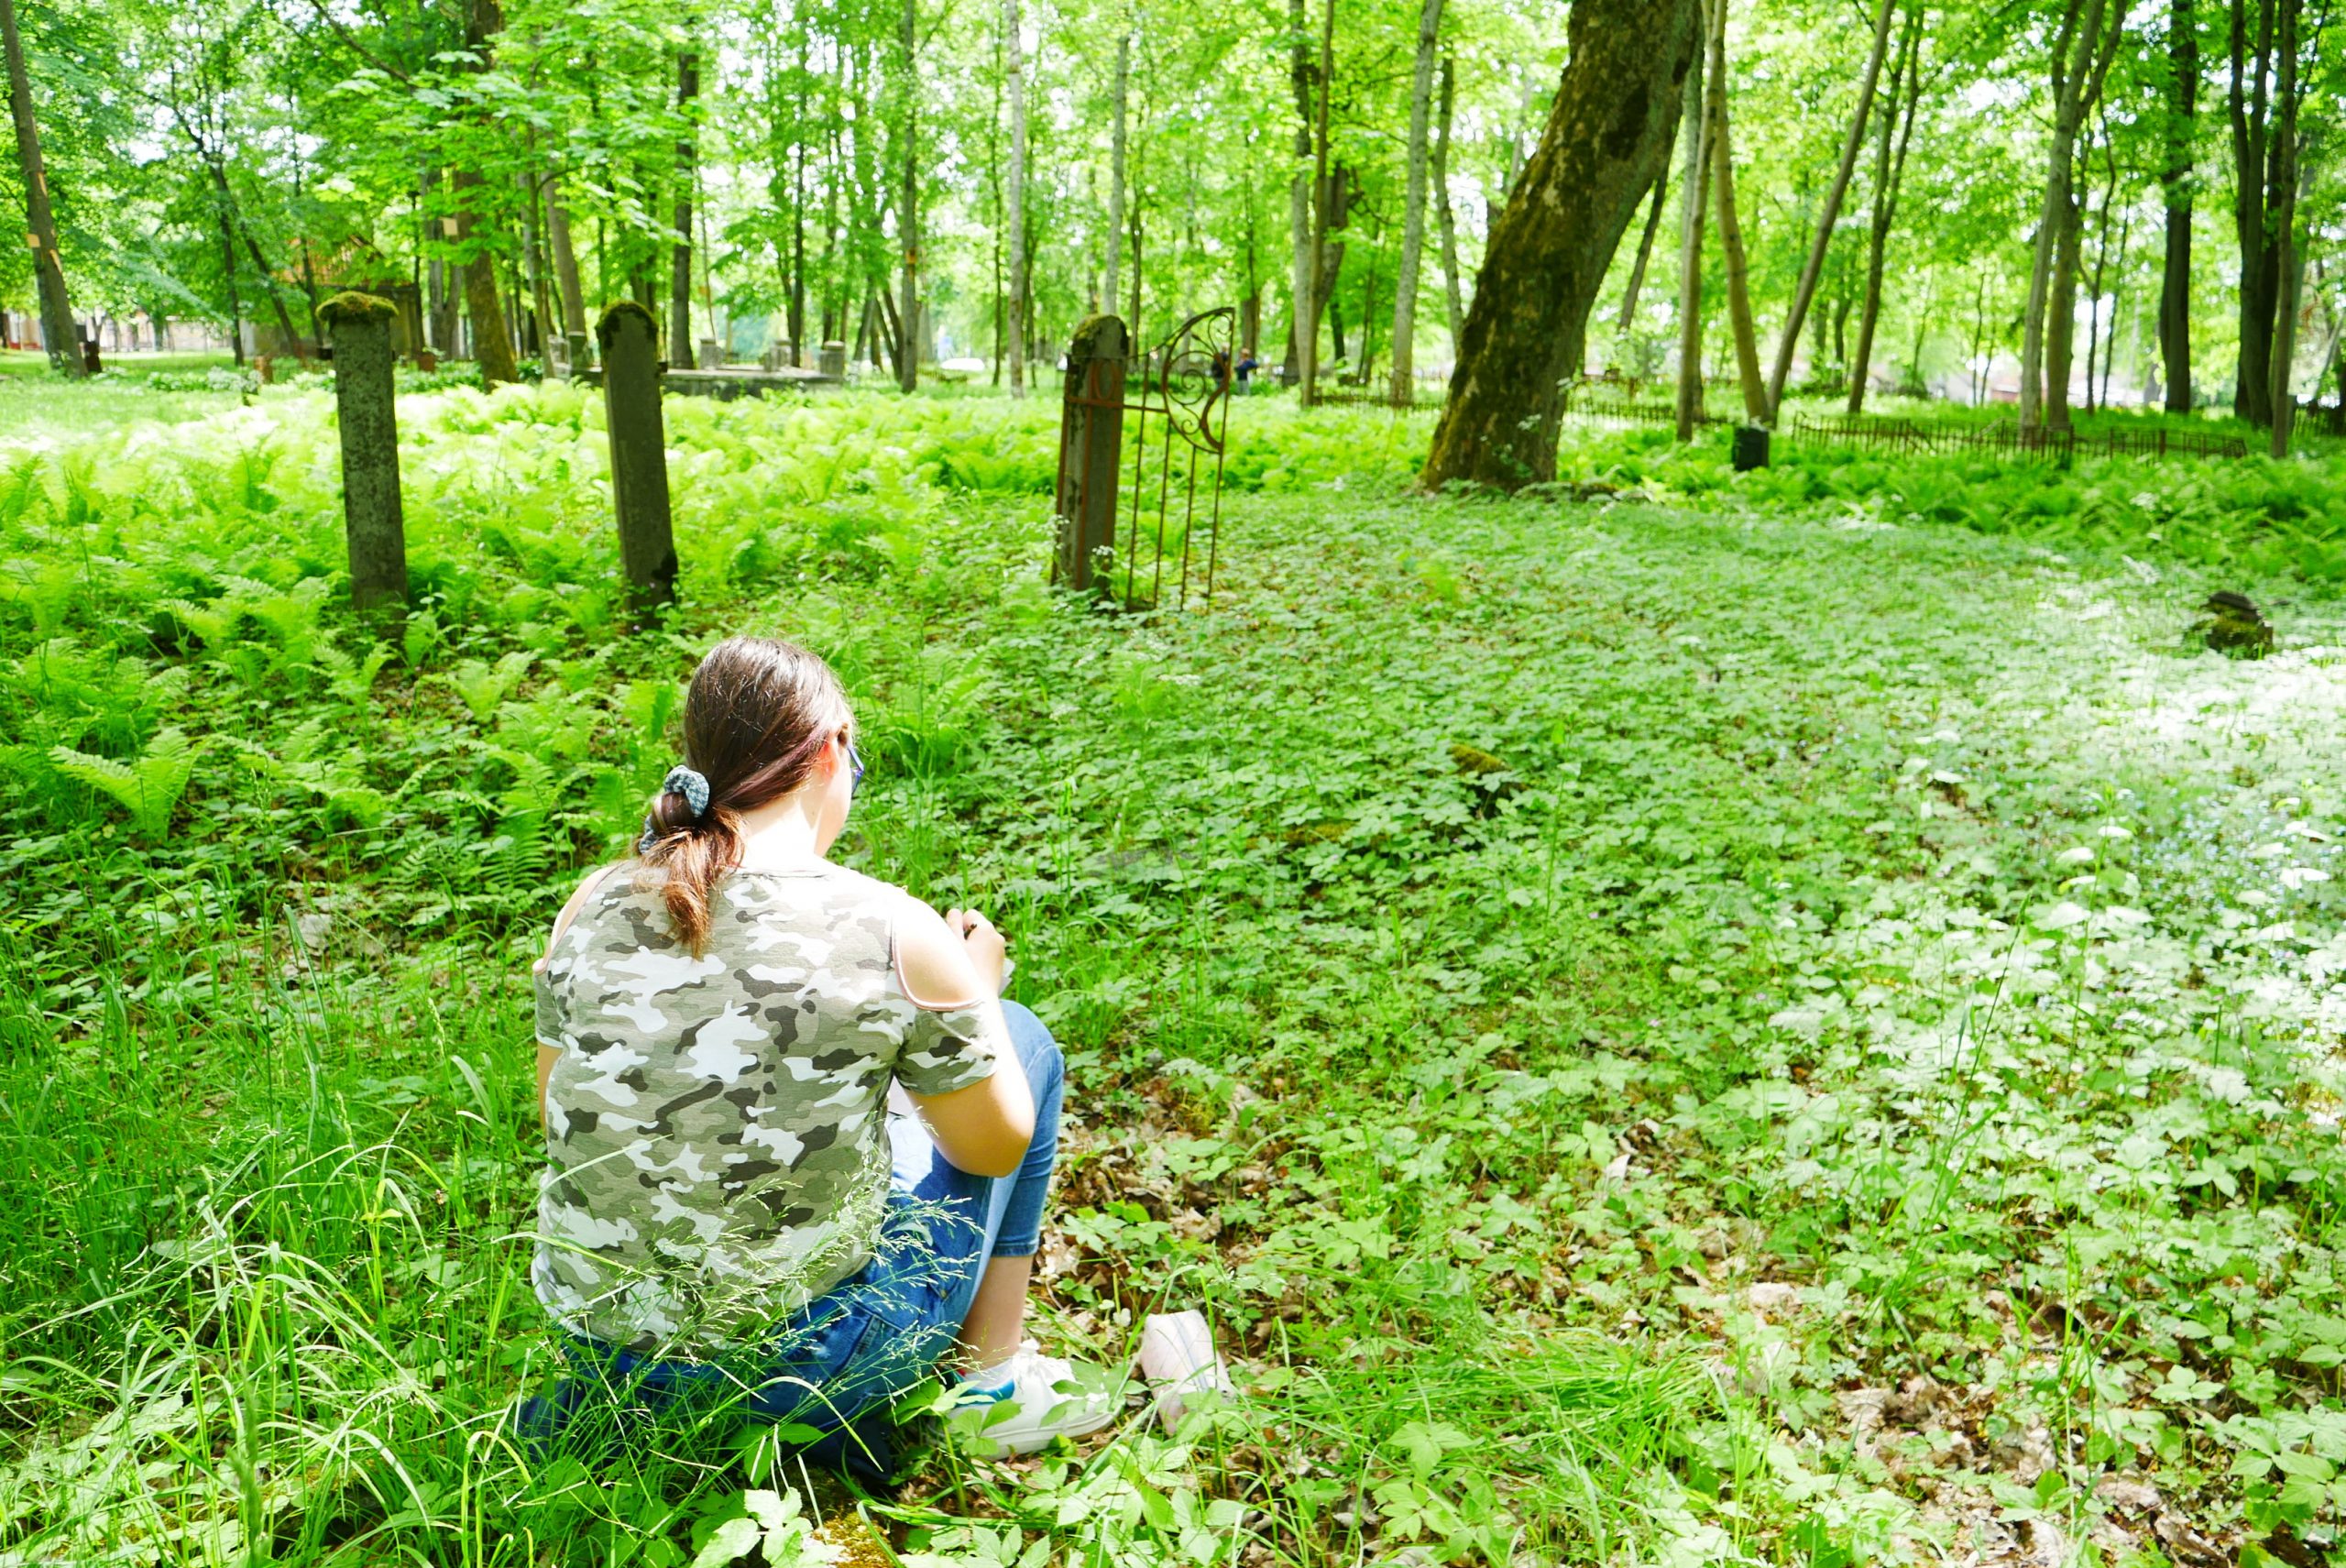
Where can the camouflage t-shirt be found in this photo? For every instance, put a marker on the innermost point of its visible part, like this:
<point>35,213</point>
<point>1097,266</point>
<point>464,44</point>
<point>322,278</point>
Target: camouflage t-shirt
<point>716,1131</point>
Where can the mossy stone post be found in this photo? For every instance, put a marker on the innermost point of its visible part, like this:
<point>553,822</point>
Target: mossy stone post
<point>372,516</point>
<point>834,360</point>
<point>1091,444</point>
<point>630,344</point>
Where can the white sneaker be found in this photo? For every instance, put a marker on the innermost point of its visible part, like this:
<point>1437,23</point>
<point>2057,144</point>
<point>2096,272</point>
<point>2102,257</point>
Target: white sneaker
<point>1047,1396</point>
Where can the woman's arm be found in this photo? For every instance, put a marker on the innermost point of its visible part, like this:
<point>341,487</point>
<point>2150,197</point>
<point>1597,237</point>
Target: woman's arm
<point>944,964</point>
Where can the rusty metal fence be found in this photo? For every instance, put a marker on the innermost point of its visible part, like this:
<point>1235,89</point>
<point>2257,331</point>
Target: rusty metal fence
<point>2011,439</point>
<point>1626,401</point>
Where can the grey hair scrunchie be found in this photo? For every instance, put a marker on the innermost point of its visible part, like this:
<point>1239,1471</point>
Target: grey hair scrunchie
<point>684,780</point>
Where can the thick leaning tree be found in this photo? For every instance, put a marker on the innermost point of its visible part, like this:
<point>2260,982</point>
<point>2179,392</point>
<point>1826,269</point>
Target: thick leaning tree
<point>1549,248</point>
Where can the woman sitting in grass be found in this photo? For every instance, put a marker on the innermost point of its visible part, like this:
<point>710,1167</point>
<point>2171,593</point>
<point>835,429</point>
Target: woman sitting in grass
<point>736,1209</point>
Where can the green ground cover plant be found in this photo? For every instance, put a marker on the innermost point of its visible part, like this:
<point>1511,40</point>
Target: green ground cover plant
<point>1681,1019</point>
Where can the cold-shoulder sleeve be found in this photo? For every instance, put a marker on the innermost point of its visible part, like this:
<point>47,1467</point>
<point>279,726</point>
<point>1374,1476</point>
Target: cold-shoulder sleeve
<point>949,1048</point>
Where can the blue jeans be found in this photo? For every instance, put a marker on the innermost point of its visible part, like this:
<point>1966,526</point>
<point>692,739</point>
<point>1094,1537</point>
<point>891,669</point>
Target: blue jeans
<point>846,1354</point>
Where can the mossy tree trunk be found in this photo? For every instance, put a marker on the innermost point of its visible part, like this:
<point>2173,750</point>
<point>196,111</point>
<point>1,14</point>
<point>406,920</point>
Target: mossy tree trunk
<point>1550,246</point>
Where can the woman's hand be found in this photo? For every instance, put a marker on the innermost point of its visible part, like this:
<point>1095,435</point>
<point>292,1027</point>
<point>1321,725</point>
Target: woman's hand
<point>986,949</point>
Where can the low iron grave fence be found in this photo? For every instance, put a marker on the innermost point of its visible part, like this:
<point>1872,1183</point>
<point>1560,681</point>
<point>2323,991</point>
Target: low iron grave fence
<point>1626,401</point>
<point>2011,439</point>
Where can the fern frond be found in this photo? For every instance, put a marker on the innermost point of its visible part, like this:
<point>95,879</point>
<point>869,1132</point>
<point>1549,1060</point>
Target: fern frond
<point>150,788</point>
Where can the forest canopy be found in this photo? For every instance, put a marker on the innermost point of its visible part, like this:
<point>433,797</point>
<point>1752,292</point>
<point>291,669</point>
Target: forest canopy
<point>2064,202</point>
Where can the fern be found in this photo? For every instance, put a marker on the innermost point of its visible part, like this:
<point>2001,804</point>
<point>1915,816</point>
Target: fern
<point>150,788</point>
<point>483,685</point>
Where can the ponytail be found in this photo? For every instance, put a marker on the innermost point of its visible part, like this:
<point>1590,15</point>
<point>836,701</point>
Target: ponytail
<point>758,713</point>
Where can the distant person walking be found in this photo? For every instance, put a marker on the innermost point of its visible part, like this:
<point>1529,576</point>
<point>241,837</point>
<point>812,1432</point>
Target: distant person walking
<point>797,1145</point>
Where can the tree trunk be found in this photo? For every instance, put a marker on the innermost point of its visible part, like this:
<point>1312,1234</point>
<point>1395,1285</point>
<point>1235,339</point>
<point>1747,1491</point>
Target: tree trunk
<point>680,260</point>
<point>40,224</point>
<point>2117,293</point>
<point>2259,265</point>
<point>566,258</point>
<point>1645,243</point>
<point>2081,55</point>
<point>797,251</point>
<point>228,276</point>
<point>1694,195</point>
<point>1890,168</point>
<point>1453,299</point>
<point>232,219</point>
<point>2100,269</point>
<point>1738,272</point>
<point>1116,174</point>
<point>1324,215</point>
<point>908,208</point>
<point>1303,324</point>
<point>1016,219</point>
<point>534,257</point>
<point>492,345</point>
<point>1805,294</point>
<point>1413,219</point>
<point>1549,248</point>
<point>2061,318</point>
<point>2289,264</point>
<point>293,341</point>
<point>2174,282</point>
<point>994,189</point>
<point>1132,322</point>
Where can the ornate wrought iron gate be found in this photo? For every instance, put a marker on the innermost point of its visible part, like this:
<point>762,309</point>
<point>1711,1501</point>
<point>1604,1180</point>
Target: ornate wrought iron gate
<point>1116,514</point>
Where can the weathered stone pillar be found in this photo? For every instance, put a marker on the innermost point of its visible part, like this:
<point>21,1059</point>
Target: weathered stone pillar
<point>711,357</point>
<point>638,440</point>
<point>834,361</point>
<point>575,343</point>
<point>372,521</point>
<point>1091,444</point>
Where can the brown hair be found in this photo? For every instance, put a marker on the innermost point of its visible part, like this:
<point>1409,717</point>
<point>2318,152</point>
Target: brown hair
<point>758,713</point>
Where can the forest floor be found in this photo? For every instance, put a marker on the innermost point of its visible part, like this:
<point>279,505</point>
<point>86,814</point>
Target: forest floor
<point>1737,1029</point>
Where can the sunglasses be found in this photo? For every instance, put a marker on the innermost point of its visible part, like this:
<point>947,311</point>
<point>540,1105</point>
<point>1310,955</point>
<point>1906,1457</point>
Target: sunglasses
<point>855,769</point>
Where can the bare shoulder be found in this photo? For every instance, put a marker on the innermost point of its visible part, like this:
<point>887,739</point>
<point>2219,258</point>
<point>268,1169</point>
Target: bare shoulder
<point>586,890</point>
<point>932,963</point>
